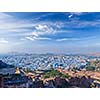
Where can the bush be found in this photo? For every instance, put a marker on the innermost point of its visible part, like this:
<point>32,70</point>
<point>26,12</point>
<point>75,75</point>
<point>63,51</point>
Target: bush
<point>90,68</point>
<point>65,76</point>
<point>54,73</point>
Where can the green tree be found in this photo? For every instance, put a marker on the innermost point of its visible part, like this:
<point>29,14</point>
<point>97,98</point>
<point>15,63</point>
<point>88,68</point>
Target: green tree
<point>90,68</point>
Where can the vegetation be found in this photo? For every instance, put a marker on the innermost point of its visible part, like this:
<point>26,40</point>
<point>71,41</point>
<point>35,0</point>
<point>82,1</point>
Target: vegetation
<point>74,70</point>
<point>55,73</point>
<point>90,68</point>
<point>27,70</point>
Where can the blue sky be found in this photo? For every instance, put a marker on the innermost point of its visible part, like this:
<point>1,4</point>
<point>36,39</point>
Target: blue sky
<point>50,32</point>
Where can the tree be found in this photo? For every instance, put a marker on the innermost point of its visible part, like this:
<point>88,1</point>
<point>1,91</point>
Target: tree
<point>54,73</point>
<point>90,68</point>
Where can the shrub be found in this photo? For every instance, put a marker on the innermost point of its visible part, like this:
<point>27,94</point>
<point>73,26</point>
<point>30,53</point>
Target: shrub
<point>90,68</point>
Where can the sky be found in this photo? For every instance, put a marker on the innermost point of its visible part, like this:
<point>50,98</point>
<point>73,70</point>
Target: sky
<point>50,32</point>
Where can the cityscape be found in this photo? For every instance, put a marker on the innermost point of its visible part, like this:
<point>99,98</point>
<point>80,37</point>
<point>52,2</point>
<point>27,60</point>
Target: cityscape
<point>49,50</point>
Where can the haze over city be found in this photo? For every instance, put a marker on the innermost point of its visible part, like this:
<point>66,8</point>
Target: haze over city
<point>58,32</point>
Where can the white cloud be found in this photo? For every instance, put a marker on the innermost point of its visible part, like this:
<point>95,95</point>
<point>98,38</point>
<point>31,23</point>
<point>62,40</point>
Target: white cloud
<point>9,24</point>
<point>44,28</point>
<point>4,16</point>
<point>76,39</point>
<point>96,44</point>
<point>42,38</point>
<point>42,16</point>
<point>26,28</point>
<point>29,38</point>
<point>64,39</point>
<point>37,38</point>
<point>2,40</point>
<point>70,16</point>
<point>67,39</point>
<point>41,27</point>
<point>16,27</point>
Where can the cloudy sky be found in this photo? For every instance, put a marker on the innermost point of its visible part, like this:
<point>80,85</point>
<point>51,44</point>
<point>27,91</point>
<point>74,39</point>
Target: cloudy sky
<point>66,32</point>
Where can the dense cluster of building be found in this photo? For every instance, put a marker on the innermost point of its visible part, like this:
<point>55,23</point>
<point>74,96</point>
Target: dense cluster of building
<point>45,62</point>
<point>17,77</point>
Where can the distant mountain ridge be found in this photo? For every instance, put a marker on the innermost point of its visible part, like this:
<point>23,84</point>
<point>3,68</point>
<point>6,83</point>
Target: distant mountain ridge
<point>96,54</point>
